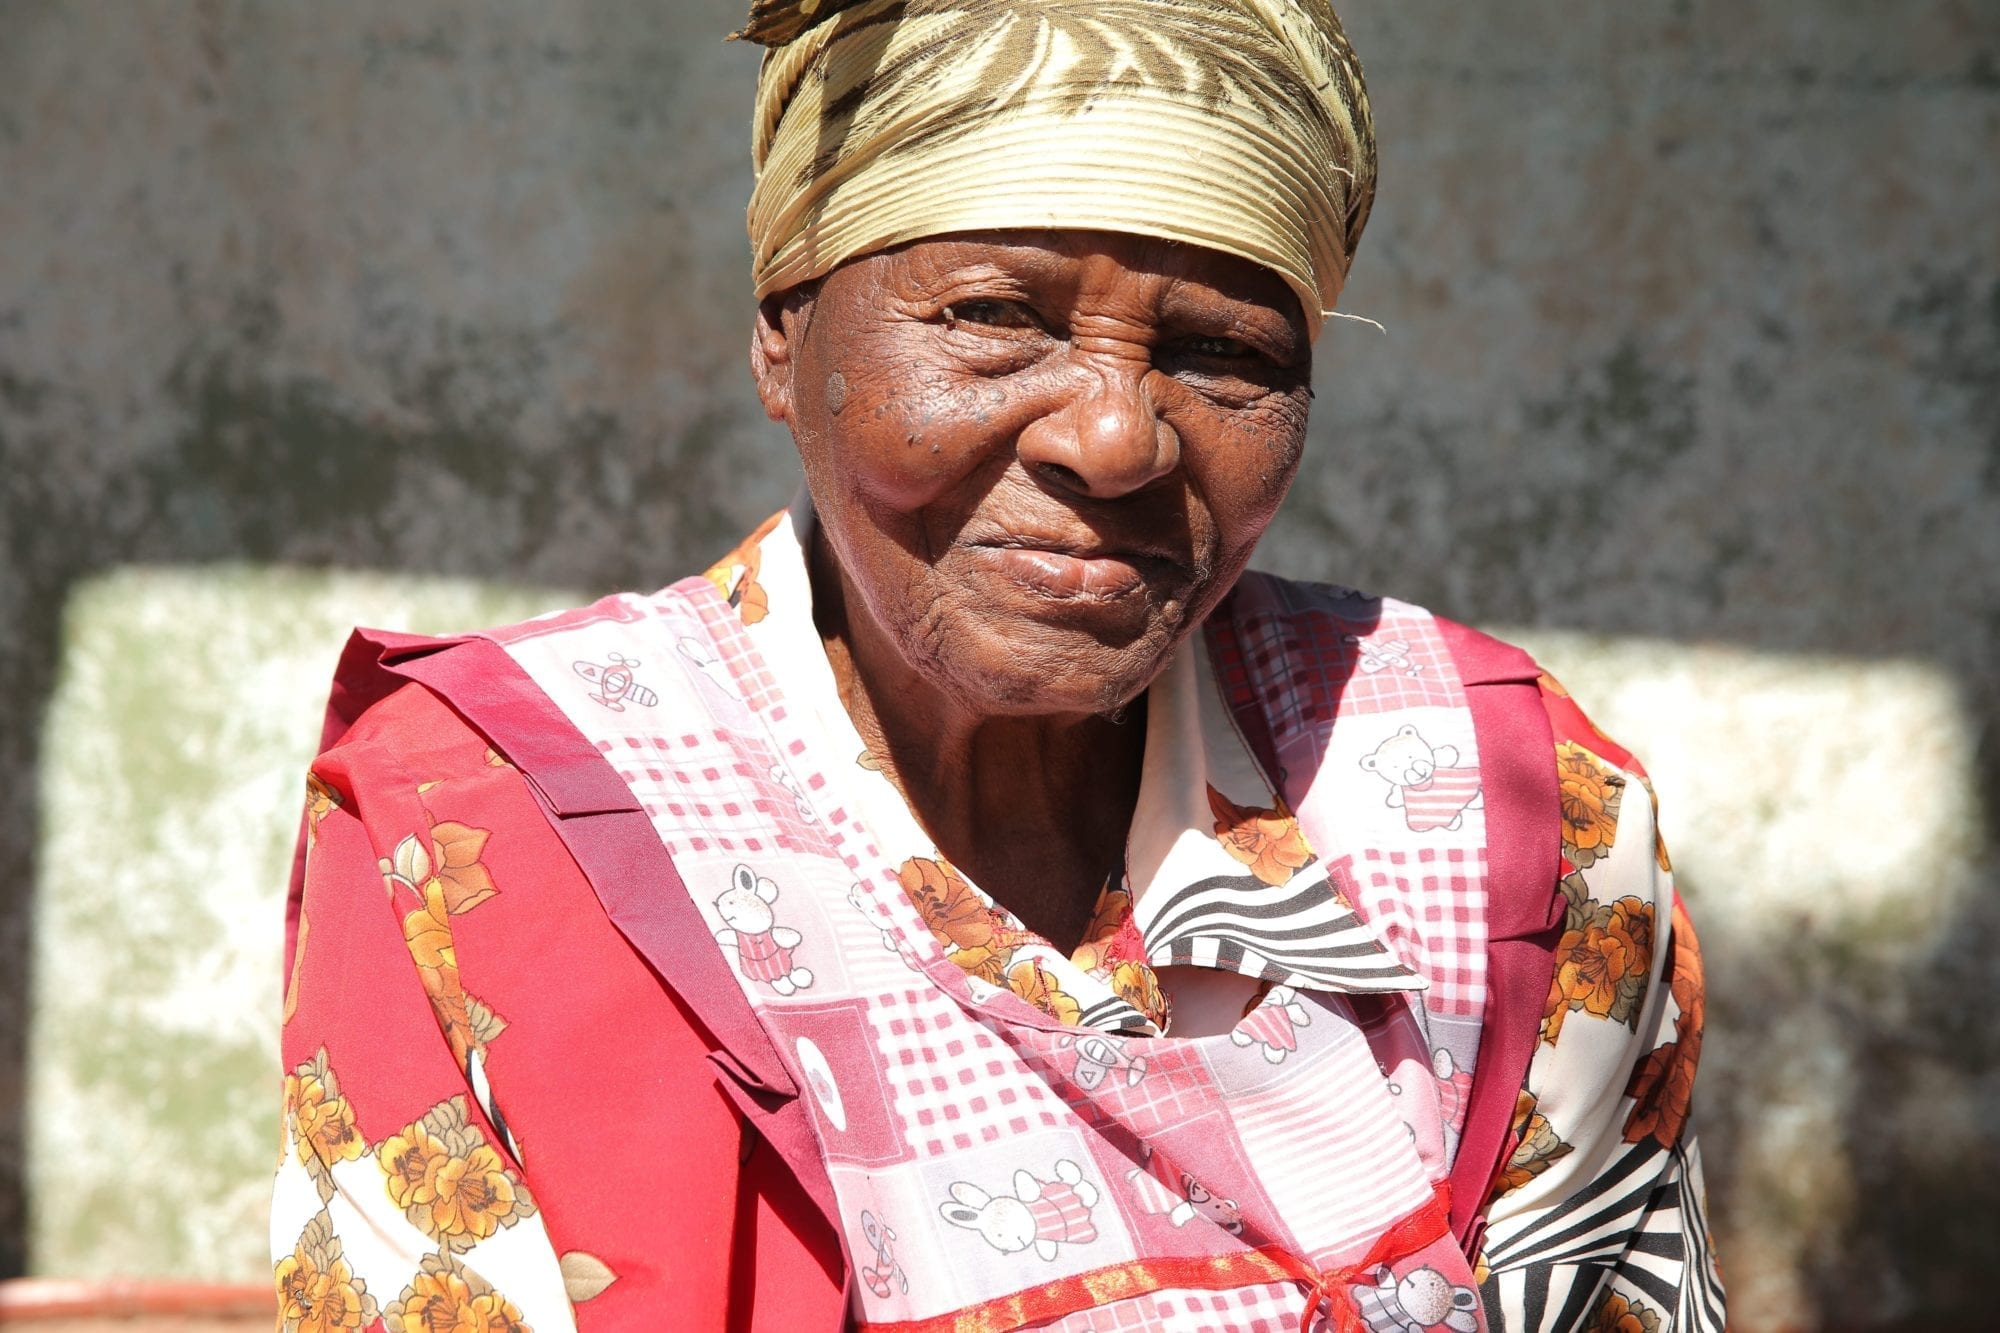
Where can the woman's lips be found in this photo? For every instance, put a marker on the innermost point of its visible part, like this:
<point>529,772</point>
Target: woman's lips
<point>1064,574</point>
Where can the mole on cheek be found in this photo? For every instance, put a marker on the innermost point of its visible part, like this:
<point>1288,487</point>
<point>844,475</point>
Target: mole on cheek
<point>836,392</point>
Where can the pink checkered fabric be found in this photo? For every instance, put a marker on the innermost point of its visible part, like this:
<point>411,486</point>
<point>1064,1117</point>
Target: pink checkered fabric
<point>708,789</point>
<point>1264,1308</point>
<point>954,1084</point>
<point>1295,659</point>
<point>725,632</point>
<point>1177,1084</point>
<point>1428,906</point>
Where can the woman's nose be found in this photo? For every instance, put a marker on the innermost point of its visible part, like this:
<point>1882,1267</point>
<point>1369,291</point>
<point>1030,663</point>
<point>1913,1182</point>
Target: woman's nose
<point>1107,440</point>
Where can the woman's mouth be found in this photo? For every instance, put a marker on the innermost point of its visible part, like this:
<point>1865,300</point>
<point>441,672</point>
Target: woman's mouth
<point>1059,574</point>
<point>1096,576</point>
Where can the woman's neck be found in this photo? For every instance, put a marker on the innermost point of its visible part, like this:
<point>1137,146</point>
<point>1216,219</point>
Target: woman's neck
<point>1033,808</point>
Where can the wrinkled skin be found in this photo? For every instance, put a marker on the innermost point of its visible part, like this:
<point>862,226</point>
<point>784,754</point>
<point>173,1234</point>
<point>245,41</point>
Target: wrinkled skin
<point>1038,459</point>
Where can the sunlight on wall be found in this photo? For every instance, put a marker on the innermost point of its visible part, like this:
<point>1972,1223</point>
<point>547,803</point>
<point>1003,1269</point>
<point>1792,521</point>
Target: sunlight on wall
<point>1823,815</point>
<point>189,702</point>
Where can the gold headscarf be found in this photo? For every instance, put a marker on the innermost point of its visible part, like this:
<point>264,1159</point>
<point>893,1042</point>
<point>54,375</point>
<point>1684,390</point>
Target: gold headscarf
<point>1240,125</point>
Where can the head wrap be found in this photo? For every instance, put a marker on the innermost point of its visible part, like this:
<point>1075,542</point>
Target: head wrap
<point>1239,125</point>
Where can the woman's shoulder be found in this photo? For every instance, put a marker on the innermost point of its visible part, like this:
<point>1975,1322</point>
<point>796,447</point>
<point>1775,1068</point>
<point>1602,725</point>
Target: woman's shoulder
<point>407,691</point>
<point>1377,653</point>
<point>1343,630</point>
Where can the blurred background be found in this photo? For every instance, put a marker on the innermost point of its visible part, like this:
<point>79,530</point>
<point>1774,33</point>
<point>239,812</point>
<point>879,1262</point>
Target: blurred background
<point>434,316</point>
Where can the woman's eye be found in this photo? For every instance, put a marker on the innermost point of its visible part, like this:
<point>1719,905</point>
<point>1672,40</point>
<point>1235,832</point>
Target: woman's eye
<point>992,313</point>
<point>1223,349</point>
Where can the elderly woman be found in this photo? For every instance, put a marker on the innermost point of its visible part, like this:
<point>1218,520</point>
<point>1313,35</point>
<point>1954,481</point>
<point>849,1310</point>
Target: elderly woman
<point>977,902</point>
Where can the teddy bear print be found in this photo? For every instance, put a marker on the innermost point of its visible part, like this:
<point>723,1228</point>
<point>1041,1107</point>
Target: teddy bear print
<point>1178,1196</point>
<point>1427,784</point>
<point>1424,1301</point>
<point>1454,1089</point>
<point>1273,1025</point>
<point>1039,1215</point>
<point>1415,1094</point>
<point>763,947</point>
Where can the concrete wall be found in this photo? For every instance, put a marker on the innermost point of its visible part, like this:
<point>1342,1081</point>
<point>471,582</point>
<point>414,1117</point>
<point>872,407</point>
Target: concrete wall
<point>434,314</point>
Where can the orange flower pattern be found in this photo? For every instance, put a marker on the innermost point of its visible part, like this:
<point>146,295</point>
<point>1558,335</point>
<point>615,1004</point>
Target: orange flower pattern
<point>320,1122</point>
<point>1269,841</point>
<point>1620,1314</point>
<point>1604,960</point>
<point>450,1183</point>
<point>1663,1082</point>
<point>1601,969</point>
<point>735,575</point>
<point>1590,795</point>
<point>317,1291</point>
<point>1536,1149</point>
<point>964,923</point>
<point>447,877</point>
<point>986,941</point>
<point>449,860</point>
<point>445,1297</point>
<point>1032,982</point>
<point>321,800</point>
<point>447,1180</point>
<point>1139,986</point>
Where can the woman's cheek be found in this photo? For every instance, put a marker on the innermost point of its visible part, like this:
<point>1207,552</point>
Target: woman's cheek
<point>1244,476</point>
<point>926,437</point>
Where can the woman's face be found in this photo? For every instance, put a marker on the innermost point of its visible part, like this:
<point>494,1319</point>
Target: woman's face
<point>1040,458</point>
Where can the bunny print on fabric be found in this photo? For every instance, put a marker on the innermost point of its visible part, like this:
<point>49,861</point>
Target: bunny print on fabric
<point>1039,1214</point>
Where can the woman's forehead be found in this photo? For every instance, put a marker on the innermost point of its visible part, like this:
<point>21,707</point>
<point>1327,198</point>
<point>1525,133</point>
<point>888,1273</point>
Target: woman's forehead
<point>1080,259</point>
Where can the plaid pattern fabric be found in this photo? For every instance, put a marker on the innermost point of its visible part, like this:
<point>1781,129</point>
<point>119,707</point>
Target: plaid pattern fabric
<point>1174,1084</point>
<point>952,1083</point>
<point>725,634</point>
<point>710,790</point>
<point>1427,904</point>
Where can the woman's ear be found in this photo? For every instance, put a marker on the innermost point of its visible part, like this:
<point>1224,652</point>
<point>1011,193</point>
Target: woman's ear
<point>772,344</point>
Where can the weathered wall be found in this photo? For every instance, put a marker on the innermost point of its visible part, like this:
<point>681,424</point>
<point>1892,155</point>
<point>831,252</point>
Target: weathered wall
<point>1692,373</point>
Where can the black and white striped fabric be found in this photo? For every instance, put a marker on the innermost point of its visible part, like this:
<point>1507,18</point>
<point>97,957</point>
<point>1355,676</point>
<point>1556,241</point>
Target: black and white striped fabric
<point>1299,933</point>
<point>1637,1232</point>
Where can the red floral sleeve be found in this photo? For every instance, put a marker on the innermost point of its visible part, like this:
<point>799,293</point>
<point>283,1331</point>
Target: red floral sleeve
<point>496,1116</point>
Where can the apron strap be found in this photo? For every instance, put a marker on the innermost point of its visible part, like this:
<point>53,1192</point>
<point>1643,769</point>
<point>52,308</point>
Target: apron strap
<point>1524,905</point>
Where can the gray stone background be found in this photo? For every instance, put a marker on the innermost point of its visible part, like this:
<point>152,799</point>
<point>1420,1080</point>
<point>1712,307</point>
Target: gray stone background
<point>435,314</point>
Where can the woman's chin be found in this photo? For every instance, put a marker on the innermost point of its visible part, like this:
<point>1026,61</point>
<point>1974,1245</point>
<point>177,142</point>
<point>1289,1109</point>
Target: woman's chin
<point>1056,665</point>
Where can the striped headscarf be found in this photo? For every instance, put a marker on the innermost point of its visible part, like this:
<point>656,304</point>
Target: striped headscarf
<point>1239,125</point>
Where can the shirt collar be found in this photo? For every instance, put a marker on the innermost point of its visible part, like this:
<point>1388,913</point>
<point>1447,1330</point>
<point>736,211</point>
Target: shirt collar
<point>1218,872</point>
